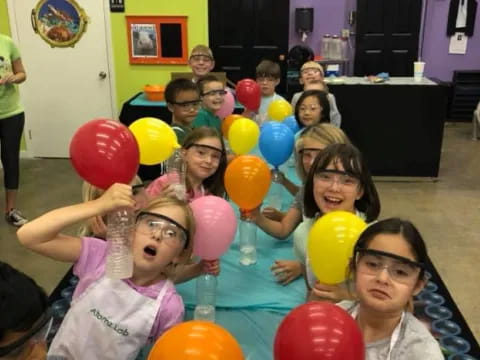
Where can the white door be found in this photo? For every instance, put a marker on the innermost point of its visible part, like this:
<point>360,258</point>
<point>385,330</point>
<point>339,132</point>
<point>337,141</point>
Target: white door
<point>65,87</point>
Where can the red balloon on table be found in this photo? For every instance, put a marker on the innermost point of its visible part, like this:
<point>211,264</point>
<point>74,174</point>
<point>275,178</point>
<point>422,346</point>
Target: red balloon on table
<point>104,152</point>
<point>320,331</point>
<point>248,94</point>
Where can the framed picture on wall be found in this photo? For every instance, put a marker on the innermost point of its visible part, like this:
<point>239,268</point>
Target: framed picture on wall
<point>157,39</point>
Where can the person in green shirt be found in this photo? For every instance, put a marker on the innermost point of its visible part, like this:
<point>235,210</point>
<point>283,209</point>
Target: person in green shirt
<point>183,100</point>
<point>12,120</point>
<point>213,93</point>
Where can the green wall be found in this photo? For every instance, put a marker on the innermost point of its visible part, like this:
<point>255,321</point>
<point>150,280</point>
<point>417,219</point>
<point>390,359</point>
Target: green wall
<point>130,79</point>
<point>4,23</point>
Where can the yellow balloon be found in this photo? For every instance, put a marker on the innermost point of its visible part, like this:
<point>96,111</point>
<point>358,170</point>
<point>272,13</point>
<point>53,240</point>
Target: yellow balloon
<point>330,245</point>
<point>243,135</point>
<point>156,140</point>
<point>278,110</point>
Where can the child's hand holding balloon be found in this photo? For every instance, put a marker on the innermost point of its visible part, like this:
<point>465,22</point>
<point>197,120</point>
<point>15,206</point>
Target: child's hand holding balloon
<point>211,267</point>
<point>333,293</point>
<point>273,214</point>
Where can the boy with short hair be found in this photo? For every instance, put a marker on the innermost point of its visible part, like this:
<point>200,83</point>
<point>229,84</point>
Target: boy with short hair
<point>212,92</point>
<point>183,101</point>
<point>268,75</point>
<point>201,61</point>
<point>311,77</point>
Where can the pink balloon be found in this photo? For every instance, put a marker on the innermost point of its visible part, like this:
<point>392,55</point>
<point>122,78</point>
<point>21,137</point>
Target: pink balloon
<point>216,225</point>
<point>228,105</point>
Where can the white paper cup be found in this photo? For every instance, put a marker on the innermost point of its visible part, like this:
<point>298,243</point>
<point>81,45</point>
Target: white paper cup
<point>418,68</point>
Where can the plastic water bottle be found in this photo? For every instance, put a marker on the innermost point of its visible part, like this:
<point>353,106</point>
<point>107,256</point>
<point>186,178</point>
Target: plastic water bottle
<point>206,298</point>
<point>248,242</point>
<point>326,40</point>
<point>120,228</point>
<point>176,170</point>
<point>276,190</point>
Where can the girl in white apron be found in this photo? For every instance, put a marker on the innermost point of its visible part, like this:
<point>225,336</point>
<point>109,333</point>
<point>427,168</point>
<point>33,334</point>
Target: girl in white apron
<point>113,319</point>
<point>388,268</point>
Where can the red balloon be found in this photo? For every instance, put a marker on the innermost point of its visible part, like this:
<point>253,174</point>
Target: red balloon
<point>104,152</point>
<point>320,331</point>
<point>248,94</point>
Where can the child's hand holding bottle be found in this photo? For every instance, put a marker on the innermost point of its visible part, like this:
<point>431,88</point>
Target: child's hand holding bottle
<point>117,196</point>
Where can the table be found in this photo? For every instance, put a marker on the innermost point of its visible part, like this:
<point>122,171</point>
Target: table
<point>397,125</point>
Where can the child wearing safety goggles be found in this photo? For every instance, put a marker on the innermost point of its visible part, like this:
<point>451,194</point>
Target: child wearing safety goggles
<point>388,269</point>
<point>338,180</point>
<point>212,92</point>
<point>114,319</point>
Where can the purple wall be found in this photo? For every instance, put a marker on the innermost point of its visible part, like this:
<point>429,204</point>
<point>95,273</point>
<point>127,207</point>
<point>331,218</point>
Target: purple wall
<point>439,63</point>
<point>332,15</point>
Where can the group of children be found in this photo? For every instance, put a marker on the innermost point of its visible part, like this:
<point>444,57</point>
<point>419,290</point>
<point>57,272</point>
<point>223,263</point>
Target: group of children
<point>114,319</point>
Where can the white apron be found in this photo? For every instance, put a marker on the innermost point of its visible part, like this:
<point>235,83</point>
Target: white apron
<point>110,320</point>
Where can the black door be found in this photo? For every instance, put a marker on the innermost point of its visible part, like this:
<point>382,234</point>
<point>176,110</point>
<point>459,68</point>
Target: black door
<point>387,36</point>
<point>244,32</point>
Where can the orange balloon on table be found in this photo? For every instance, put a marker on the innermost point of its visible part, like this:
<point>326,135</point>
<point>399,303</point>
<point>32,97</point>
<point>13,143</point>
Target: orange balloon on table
<point>227,122</point>
<point>196,340</point>
<point>247,180</point>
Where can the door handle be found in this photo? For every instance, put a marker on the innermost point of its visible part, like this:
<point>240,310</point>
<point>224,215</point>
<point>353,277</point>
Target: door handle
<point>102,75</point>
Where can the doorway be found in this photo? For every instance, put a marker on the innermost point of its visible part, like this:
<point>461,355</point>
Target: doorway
<point>65,87</point>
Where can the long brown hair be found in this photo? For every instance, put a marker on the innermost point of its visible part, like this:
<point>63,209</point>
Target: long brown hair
<point>214,183</point>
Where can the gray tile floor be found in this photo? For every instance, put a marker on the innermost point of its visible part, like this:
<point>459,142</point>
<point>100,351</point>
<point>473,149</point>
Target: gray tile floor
<point>447,213</point>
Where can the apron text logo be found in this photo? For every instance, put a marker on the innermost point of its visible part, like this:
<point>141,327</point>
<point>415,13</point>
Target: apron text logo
<point>107,322</point>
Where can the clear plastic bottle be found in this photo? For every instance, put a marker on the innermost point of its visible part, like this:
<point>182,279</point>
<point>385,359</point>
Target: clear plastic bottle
<point>176,171</point>
<point>206,298</point>
<point>344,47</point>
<point>248,242</point>
<point>120,230</point>
<point>326,46</point>
<point>336,48</point>
<point>276,190</point>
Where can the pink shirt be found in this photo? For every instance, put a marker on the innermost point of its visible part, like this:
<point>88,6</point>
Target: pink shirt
<point>156,186</point>
<point>91,266</point>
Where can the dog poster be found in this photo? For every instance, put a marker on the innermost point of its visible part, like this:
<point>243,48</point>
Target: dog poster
<point>144,40</point>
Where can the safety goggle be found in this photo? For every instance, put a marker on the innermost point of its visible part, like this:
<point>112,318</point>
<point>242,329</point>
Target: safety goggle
<point>169,230</point>
<point>400,269</point>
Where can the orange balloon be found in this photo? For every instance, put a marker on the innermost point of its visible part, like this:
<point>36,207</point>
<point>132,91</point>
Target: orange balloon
<point>227,122</point>
<point>247,180</point>
<point>196,340</point>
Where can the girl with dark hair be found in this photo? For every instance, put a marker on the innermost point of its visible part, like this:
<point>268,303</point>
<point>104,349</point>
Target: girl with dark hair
<point>339,179</point>
<point>388,268</point>
<point>312,108</point>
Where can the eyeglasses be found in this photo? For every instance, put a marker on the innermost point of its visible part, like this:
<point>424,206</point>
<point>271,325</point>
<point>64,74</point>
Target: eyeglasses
<point>221,92</point>
<point>38,332</point>
<point>167,229</point>
<point>309,154</point>
<point>311,108</point>
<point>189,105</point>
<point>400,269</point>
<point>311,70</point>
<point>342,178</point>
<point>204,58</point>
<point>205,152</point>
<point>262,79</point>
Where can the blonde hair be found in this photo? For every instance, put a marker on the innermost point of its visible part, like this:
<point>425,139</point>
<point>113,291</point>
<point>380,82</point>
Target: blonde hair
<point>313,64</point>
<point>163,201</point>
<point>325,133</point>
<point>91,192</point>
